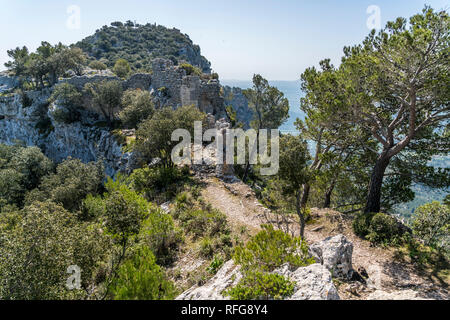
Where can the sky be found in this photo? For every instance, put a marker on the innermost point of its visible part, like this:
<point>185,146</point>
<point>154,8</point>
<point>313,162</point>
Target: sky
<point>275,38</point>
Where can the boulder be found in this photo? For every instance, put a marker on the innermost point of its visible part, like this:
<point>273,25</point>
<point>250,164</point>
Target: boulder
<point>313,282</point>
<point>335,253</point>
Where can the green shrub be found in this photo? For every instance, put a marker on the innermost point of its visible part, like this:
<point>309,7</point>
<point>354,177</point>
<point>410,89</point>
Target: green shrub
<point>97,65</point>
<point>121,68</point>
<point>69,101</point>
<point>361,224</point>
<point>138,106</point>
<point>91,208</point>
<point>215,264</point>
<point>206,247</point>
<point>71,183</point>
<point>431,223</point>
<point>270,249</point>
<point>261,286</point>
<point>203,222</point>
<point>159,182</point>
<point>190,69</point>
<point>383,229</point>
<point>140,278</point>
<point>161,236</point>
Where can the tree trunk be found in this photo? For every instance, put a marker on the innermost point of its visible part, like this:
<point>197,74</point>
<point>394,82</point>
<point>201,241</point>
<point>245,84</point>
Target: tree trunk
<point>305,195</point>
<point>300,215</point>
<point>376,182</point>
<point>247,168</point>
<point>327,201</point>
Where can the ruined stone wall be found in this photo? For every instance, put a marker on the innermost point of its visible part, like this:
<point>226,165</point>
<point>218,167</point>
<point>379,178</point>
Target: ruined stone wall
<point>174,88</point>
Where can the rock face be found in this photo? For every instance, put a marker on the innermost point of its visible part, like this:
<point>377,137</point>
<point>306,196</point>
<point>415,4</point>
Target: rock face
<point>235,98</point>
<point>395,295</point>
<point>33,126</point>
<point>228,276</point>
<point>313,282</point>
<point>335,253</point>
<point>6,82</point>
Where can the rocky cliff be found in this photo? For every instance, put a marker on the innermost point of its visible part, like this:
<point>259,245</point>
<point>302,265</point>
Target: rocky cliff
<point>27,118</point>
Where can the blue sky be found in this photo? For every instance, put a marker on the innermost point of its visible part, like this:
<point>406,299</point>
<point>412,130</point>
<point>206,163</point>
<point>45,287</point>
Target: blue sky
<point>277,39</point>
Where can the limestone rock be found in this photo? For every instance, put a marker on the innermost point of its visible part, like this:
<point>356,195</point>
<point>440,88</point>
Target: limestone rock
<point>335,253</point>
<point>228,276</point>
<point>313,282</point>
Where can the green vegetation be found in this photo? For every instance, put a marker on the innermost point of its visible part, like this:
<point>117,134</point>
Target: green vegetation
<point>262,286</point>
<point>137,106</point>
<point>153,137</point>
<point>67,96</point>
<point>140,278</point>
<point>121,68</point>
<point>431,223</point>
<point>139,45</point>
<point>47,64</point>
<point>106,96</point>
<point>265,252</point>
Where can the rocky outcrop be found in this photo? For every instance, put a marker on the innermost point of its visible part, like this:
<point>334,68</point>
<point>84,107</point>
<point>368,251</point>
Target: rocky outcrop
<point>335,253</point>
<point>7,83</point>
<point>313,282</point>
<point>235,98</point>
<point>227,277</point>
<point>33,125</point>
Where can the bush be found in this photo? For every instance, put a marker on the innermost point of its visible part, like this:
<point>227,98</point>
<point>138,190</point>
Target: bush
<point>261,286</point>
<point>431,223</point>
<point>140,278</point>
<point>125,210</point>
<point>206,247</point>
<point>215,265</point>
<point>69,101</point>
<point>190,69</point>
<point>39,249</point>
<point>383,229</point>
<point>157,182</point>
<point>161,236</point>
<point>361,224</point>
<point>71,183</point>
<point>122,68</point>
<point>154,135</point>
<point>203,222</point>
<point>270,249</point>
<point>138,106</point>
<point>97,65</point>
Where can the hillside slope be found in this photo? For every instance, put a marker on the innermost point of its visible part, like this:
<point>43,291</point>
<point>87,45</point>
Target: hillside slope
<point>140,44</point>
<point>388,271</point>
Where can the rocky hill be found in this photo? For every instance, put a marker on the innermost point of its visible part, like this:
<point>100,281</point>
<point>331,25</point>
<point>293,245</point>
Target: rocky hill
<point>140,44</point>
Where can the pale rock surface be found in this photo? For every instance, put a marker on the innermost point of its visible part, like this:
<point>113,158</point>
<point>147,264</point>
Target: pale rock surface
<point>313,282</point>
<point>335,253</point>
<point>228,276</point>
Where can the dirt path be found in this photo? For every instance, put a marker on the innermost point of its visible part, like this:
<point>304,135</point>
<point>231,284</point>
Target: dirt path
<point>239,203</point>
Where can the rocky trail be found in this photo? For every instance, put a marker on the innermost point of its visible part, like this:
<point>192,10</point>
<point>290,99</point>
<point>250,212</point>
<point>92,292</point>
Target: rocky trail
<point>379,273</point>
